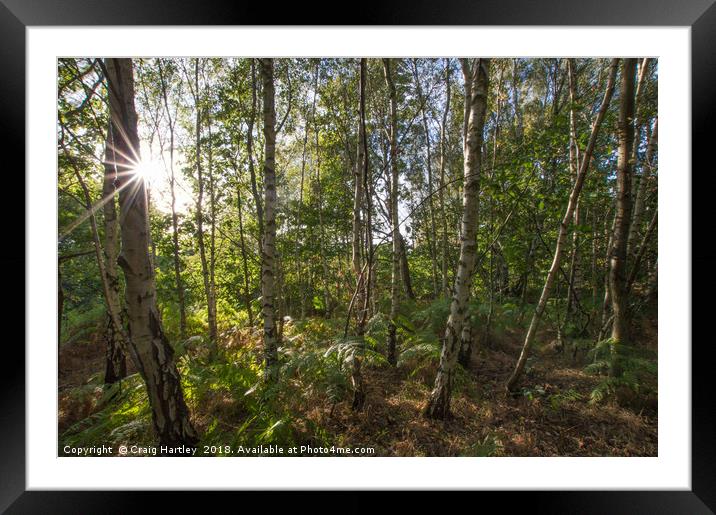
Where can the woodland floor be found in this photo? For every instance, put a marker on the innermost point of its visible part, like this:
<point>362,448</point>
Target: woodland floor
<point>552,417</point>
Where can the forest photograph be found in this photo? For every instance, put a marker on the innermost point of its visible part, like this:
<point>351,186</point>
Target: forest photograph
<point>443,256</point>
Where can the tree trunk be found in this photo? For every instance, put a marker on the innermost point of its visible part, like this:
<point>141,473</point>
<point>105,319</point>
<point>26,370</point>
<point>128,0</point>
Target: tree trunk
<point>573,285</point>
<point>519,126</point>
<point>634,227</point>
<point>395,229</point>
<point>150,348</point>
<point>465,353</point>
<point>321,231</point>
<point>175,217</point>
<point>205,273</point>
<point>617,271</point>
<point>606,304</point>
<point>429,165</point>
<point>562,235</point>
<point>362,282</point>
<point>405,268</point>
<point>115,366</point>
<point>642,250</point>
<point>476,84</point>
<point>60,305</point>
<point>115,362</point>
<point>268,256</point>
<point>213,325</point>
<point>466,348</point>
<point>244,259</point>
<point>441,196</point>
<point>297,246</point>
<point>594,277</point>
<point>250,151</point>
<point>358,183</point>
<point>642,188</point>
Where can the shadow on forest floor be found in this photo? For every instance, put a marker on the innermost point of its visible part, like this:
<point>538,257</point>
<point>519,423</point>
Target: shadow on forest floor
<point>551,417</point>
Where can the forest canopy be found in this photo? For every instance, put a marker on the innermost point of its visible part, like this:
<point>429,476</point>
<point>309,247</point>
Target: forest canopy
<point>418,256</point>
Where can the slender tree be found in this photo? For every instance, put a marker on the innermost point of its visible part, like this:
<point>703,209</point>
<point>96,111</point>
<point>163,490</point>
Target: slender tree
<point>268,254</point>
<point>562,235</point>
<point>643,188</point>
<point>361,270</point>
<point>429,166</point>
<point>395,229</point>
<point>175,216</point>
<point>255,190</point>
<point>206,266</point>
<point>574,152</point>
<point>443,183</point>
<point>244,257</point>
<point>476,83</point>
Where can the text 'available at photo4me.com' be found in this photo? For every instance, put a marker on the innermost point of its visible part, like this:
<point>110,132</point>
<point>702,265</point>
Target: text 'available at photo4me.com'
<point>216,450</point>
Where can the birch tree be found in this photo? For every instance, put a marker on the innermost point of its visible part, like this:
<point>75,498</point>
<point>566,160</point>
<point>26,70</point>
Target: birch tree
<point>476,83</point>
<point>152,354</point>
<point>268,253</point>
<point>117,337</point>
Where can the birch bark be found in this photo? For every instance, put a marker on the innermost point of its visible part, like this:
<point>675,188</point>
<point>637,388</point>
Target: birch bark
<point>150,348</point>
<point>476,83</point>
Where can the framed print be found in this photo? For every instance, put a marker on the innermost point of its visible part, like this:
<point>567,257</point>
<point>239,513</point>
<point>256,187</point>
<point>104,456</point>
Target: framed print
<point>420,252</point>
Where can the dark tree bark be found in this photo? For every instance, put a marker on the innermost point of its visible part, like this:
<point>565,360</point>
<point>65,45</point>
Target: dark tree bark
<point>617,271</point>
<point>61,291</point>
<point>60,305</point>
<point>405,268</point>
<point>115,360</point>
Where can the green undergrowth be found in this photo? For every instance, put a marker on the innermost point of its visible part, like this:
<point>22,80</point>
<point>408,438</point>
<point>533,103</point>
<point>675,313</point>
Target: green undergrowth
<point>638,366</point>
<point>233,406</point>
<point>123,417</point>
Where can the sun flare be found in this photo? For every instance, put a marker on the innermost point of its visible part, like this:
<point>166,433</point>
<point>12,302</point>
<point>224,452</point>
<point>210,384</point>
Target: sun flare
<point>148,170</point>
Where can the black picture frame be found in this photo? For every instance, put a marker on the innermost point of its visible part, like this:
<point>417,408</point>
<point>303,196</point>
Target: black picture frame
<point>700,15</point>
